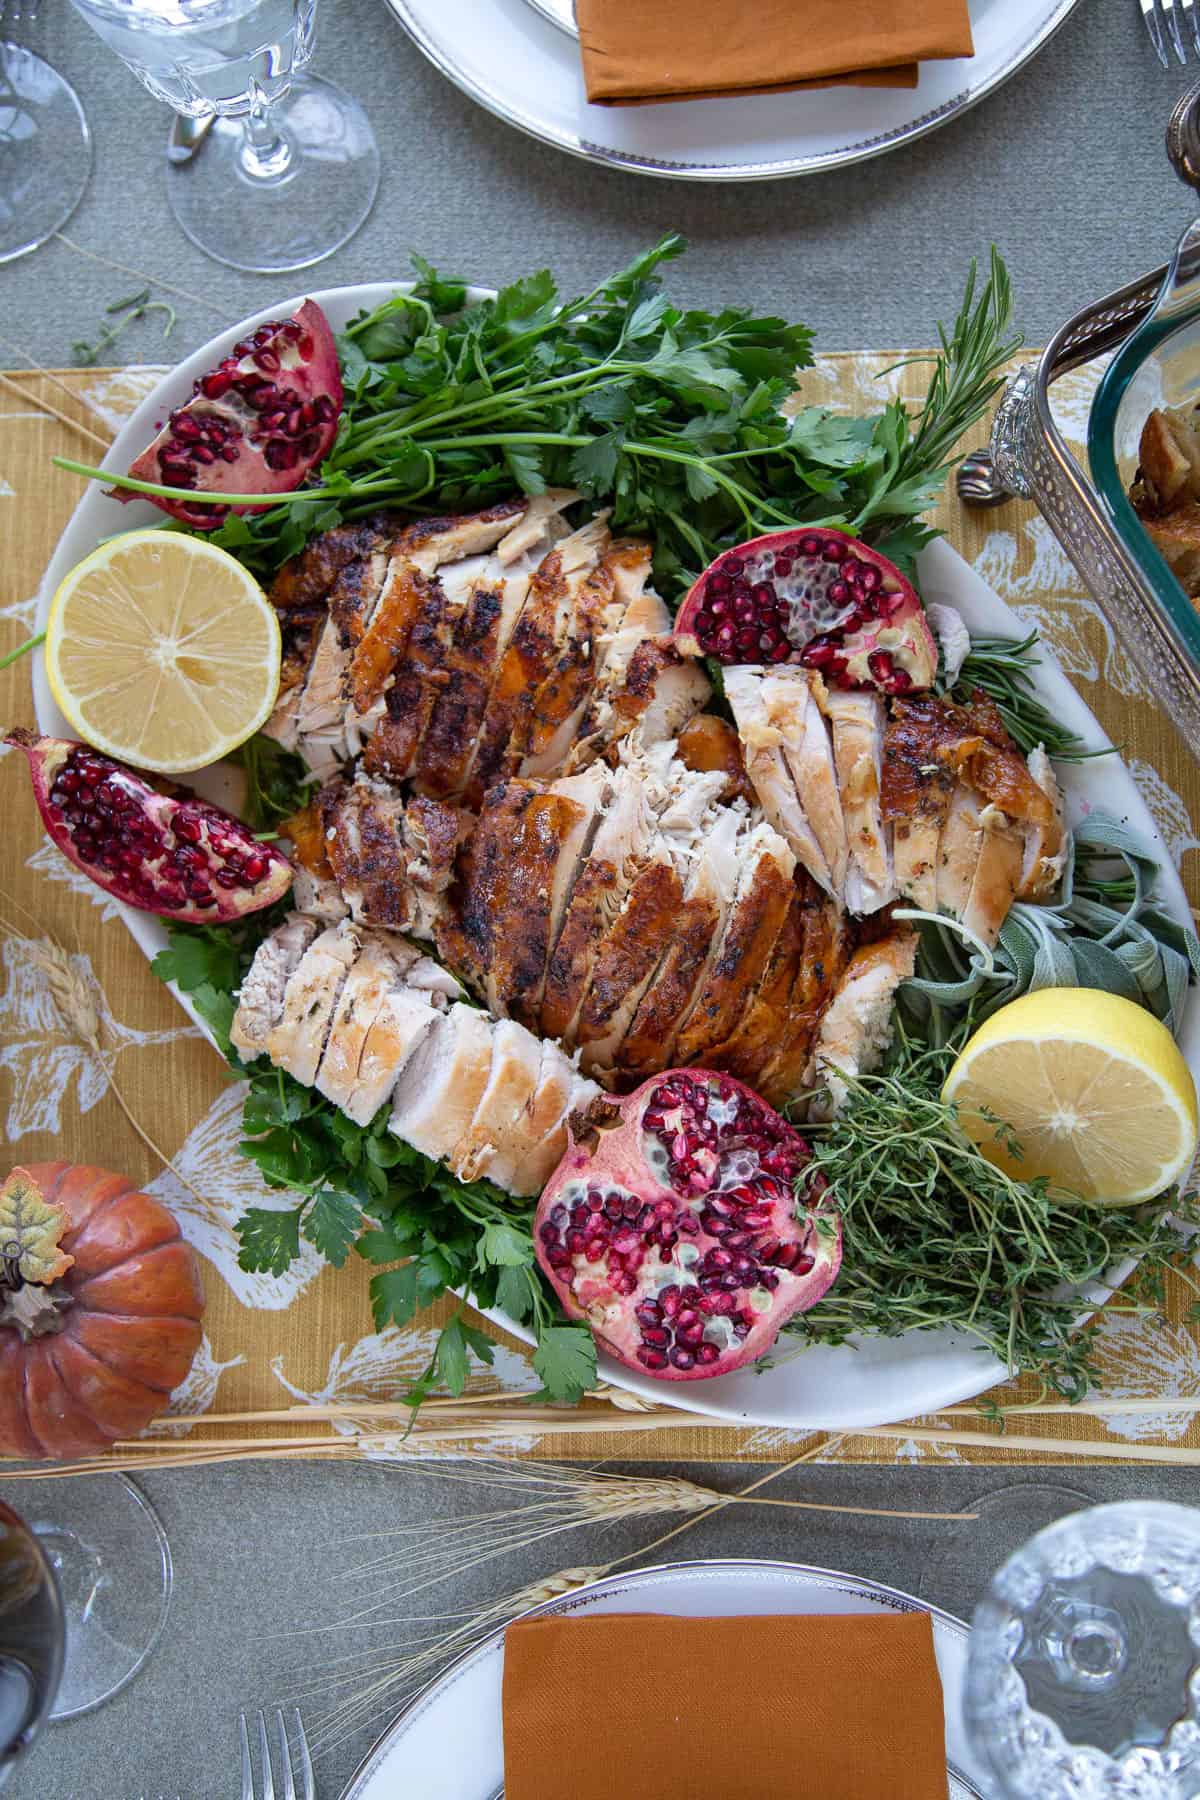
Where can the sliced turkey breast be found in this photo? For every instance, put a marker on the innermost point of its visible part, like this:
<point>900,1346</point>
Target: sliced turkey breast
<point>392,859</point>
<point>442,1083</point>
<point>642,682</point>
<point>997,874</point>
<point>379,969</point>
<point>405,1017</point>
<point>769,774</point>
<point>619,851</point>
<point>958,851</point>
<point>318,896</point>
<point>495,1130</point>
<point>923,748</point>
<point>858,1023</point>
<point>261,995</point>
<point>754,921</point>
<point>1045,841</point>
<point>825,953</point>
<point>547,1143</point>
<point>310,999</point>
<point>857,721</point>
<point>757,1028</point>
<point>793,699</point>
<point>532,649</point>
<point>479,634</point>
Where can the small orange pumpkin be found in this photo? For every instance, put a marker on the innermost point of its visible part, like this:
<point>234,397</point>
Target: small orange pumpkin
<point>94,1354</point>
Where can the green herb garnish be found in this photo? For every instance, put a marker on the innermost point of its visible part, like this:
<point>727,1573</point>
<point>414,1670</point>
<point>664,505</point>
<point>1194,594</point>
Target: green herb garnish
<point>673,418</point>
<point>934,1235</point>
<point>133,307</point>
<point>278,782</point>
<point>1003,668</point>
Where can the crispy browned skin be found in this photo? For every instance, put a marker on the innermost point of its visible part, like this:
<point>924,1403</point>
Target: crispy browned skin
<point>503,898</point>
<point>376,864</point>
<point>583,926</point>
<point>632,948</point>
<point>708,743</point>
<point>459,706</point>
<point>925,743</point>
<point>523,666</point>
<point>306,830</point>
<point>755,922</point>
<point>299,631</point>
<point>434,832</point>
<point>999,772</point>
<point>308,578</point>
<point>386,638</point>
<point>649,1042</point>
<point>353,594</point>
<point>755,1037</point>
<point>824,955</point>
<point>572,674</point>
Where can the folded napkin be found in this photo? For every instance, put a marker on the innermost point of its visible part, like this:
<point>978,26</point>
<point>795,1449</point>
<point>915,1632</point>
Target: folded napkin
<point>650,50</point>
<point>635,1706</point>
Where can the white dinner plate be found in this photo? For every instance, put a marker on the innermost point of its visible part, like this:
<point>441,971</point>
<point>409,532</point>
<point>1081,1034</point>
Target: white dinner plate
<point>448,1743</point>
<point>874,1380</point>
<point>522,65</point>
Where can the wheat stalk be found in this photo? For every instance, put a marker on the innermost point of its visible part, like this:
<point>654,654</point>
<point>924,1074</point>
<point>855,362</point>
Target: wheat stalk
<point>76,1006</point>
<point>43,405</point>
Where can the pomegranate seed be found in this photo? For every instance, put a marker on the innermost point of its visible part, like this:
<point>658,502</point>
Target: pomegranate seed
<point>764,595</point>
<point>654,1334</point>
<point>683,1359</point>
<point>268,361</point>
<point>718,586</point>
<point>834,551</point>
<point>707,1353</point>
<point>653,1359</point>
<point>187,829</point>
<point>733,565</point>
<point>548,1233</point>
<point>810,546</point>
<point>783,566</point>
<point>747,638</point>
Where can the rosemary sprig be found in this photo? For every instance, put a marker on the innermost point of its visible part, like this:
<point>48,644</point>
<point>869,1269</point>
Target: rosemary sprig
<point>134,307</point>
<point>1003,668</point>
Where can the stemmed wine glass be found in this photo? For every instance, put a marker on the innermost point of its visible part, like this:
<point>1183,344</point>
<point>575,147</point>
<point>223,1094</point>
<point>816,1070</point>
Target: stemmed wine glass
<point>32,1638</point>
<point>1083,1680</point>
<point>290,167</point>
<point>112,1573</point>
<point>45,143</point>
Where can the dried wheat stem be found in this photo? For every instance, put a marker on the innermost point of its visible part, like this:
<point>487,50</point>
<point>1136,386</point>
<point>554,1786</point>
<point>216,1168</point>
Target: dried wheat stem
<point>47,375</point>
<point>141,275</point>
<point>1095,1450</point>
<point>1096,1409</point>
<point>63,418</point>
<point>73,1000</point>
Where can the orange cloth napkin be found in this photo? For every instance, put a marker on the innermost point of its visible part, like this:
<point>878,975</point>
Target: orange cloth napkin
<point>635,1706</point>
<point>651,50</point>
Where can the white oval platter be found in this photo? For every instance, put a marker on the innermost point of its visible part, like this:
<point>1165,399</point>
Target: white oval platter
<point>874,1380</point>
<point>524,66</point>
<point>462,1708</point>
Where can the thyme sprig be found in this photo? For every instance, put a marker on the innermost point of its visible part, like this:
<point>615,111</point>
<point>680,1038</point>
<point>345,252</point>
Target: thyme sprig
<point>935,1236</point>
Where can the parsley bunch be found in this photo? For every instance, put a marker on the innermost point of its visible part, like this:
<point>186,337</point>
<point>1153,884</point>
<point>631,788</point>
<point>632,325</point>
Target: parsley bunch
<point>673,418</point>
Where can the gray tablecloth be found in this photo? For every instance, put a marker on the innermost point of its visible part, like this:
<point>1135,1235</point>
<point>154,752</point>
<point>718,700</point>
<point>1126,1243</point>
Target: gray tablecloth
<point>1064,169</point>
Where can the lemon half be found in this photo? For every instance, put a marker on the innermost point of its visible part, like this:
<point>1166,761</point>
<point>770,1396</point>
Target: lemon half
<point>1094,1087</point>
<point>162,651</point>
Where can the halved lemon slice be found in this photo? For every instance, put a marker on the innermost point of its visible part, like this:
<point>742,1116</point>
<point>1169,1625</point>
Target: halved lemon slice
<point>162,651</point>
<point>1094,1088</point>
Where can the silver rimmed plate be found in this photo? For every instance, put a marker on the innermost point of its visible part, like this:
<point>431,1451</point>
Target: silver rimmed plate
<point>448,1745</point>
<point>520,60</point>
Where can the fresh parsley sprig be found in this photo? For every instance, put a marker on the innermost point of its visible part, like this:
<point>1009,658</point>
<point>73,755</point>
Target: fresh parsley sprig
<point>358,1187</point>
<point>673,418</point>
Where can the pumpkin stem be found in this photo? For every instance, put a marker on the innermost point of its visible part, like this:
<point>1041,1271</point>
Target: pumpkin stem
<point>36,1311</point>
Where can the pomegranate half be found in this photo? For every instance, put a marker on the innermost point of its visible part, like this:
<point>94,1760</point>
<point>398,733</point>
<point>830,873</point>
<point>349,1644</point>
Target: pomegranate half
<point>672,1226</point>
<point>173,854</point>
<point>815,597</point>
<point>256,424</point>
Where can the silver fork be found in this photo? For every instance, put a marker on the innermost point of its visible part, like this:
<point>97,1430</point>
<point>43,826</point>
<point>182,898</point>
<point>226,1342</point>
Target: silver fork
<point>1164,20</point>
<point>289,1770</point>
<point>12,12</point>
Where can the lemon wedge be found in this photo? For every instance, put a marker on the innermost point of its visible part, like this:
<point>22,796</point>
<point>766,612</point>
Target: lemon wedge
<point>162,651</point>
<point>1095,1089</point>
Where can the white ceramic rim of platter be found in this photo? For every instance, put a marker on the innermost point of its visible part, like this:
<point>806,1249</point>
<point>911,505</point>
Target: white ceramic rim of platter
<point>875,1380</point>
<point>519,65</point>
<point>462,1706</point>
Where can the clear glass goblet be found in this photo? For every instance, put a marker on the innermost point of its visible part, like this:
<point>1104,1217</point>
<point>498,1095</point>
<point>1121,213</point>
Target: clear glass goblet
<point>1083,1681</point>
<point>45,148</point>
<point>289,168</point>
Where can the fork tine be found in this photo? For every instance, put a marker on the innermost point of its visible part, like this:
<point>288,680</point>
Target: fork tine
<point>306,1769</point>
<point>289,1786</point>
<point>1153,23</point>
<point>265,1749</point>
<point>1192,18</point>
<point>1176,36</point>
<point>247,1772</point>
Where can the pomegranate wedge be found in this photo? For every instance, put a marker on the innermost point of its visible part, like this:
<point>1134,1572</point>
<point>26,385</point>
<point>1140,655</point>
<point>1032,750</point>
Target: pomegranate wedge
<point>256,424</point>
<point>173,854</point>
<point>814,597</point>
<point>672,1226</point>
